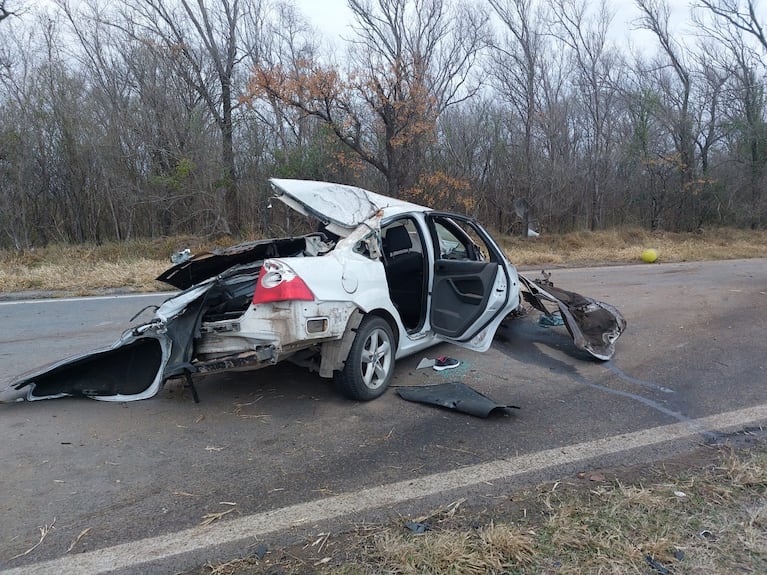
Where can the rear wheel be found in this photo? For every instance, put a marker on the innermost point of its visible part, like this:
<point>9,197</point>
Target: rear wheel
<point>370,364</point>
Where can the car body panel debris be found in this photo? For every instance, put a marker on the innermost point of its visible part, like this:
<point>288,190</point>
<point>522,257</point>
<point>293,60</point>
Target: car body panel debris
<point>594,326</point>
<point>380,279</point>
<point>453,395</point>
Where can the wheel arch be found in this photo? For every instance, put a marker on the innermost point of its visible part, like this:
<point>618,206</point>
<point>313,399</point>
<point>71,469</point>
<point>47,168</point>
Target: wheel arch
<point>334,353</point>
<point>389,318</point>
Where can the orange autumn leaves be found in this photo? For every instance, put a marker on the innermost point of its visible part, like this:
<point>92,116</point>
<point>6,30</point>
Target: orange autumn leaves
<point>386,117</point>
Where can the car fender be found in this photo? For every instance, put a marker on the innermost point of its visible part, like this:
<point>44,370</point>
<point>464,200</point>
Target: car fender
<point>334,353</point>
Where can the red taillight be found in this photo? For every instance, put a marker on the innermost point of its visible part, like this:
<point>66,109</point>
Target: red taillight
<point>278,282</point>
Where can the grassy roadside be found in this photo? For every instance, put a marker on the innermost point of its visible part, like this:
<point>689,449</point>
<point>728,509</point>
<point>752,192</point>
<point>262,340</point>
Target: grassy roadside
<point>703,514</point>
<point>133,265</point>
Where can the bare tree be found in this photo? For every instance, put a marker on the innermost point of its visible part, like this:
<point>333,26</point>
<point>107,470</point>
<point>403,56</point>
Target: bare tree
<point>204,41</point>
<point>5,12</point>
<point>594,62</point>
<point>410,60</point>
<point>745,109</point>
<point>516,66</point>
<point>740,15</point>
<point>655,18</point>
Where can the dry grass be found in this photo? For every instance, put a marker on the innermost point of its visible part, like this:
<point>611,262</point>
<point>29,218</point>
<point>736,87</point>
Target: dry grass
<point>490,549</point>
<point>83,269</point>
<point>625,246</point>
<point>133,265</point>
<point>81,278</point>
<point>708,517</point>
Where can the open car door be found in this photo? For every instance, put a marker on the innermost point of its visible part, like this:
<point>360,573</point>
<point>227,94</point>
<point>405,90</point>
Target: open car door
<point>474,287</point>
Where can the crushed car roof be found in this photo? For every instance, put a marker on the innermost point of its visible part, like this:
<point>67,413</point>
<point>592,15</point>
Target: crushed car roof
<point>339,204</point>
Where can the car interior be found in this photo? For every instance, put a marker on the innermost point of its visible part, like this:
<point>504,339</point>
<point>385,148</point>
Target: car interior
<point>404,264</point>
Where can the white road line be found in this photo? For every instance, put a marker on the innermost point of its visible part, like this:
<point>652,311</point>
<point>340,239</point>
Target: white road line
<point>87,298</point>
<point>165,547</point>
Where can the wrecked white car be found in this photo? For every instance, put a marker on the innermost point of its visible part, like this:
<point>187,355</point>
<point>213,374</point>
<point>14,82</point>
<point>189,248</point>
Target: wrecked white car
<point>383,279</point>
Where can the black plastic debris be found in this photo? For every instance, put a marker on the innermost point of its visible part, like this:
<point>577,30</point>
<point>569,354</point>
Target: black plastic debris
<point>417,527</point>
<point>453,395</point>
<point>656,565</point>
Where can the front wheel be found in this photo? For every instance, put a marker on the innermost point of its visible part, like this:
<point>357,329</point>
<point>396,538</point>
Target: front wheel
<point>370,364</point>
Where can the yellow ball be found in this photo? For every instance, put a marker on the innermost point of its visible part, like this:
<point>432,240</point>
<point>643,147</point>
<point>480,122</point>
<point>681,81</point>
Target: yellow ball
<point>649,255</point>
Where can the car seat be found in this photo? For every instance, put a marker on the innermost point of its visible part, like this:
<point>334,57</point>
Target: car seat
<point>404,274</point>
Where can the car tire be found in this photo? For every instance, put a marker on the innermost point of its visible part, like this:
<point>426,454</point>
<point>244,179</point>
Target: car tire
<point>370,363</point>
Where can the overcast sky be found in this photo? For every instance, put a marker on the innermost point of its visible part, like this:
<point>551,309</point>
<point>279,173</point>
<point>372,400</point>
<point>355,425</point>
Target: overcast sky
<point>332,18</point>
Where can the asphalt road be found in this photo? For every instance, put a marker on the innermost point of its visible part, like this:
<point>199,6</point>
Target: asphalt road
<point>261,441</point>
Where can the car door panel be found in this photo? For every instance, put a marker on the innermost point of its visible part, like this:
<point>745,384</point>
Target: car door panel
<point>473,286</point>
<point>460,294</point>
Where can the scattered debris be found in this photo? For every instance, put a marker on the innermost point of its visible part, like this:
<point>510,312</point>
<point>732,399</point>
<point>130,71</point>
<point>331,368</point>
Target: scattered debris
<point>453,395</point>
<point>593,325</point>
<point>417,527</point>
<point>656,565</point>
<point>261,551</point>
<point>181,256</point>
<point>425,362</point>
<point>553,320</point>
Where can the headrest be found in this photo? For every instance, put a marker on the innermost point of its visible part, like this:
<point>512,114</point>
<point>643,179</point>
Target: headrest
<point>397,239</point>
